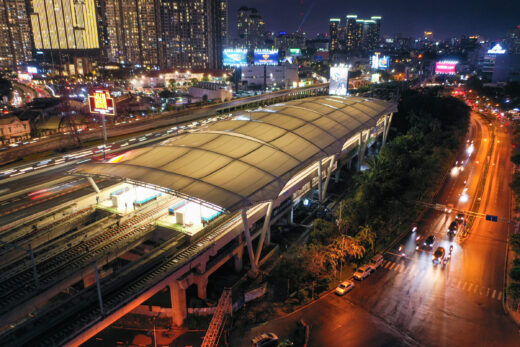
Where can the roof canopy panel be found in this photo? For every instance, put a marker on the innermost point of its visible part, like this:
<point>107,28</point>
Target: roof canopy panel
<point>249,158</point>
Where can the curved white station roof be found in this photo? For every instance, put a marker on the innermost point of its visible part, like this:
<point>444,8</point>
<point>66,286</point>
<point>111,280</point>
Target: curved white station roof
<point>250,157</point>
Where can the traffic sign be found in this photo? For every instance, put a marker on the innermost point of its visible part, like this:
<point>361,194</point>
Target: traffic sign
<point>492,218</point>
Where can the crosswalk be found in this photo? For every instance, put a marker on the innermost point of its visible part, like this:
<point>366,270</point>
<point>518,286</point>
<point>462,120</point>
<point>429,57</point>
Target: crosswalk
<point>470,287</point>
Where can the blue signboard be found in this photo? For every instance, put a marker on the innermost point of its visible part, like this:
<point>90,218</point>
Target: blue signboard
<point>234,57</point>
<point>266,57</point>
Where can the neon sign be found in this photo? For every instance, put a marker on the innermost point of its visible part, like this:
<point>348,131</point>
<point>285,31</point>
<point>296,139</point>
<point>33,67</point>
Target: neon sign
<point>497,49</point>
<point>101,102</point>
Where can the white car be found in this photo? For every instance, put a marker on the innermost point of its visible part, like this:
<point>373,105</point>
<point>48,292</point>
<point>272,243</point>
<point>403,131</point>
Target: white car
<point>362,272</point>
<point>376,262</point>
<point>344,287</point>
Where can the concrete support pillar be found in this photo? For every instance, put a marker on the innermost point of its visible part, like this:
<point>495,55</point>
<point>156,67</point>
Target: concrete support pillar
<point>248,240</point>
<point>337,174</point>
<point>291,214</point>
<point>267,222</point>
<point>329,171</point>
<point>238,260</point>
<point>362,148</point>
<point>93,184</point>
<point>202,286</point>
<point>388,120</point>
<point>178,301</point>
<point>320,194</point>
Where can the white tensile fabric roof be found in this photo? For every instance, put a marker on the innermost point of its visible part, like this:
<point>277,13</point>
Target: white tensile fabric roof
<point>250,157</point>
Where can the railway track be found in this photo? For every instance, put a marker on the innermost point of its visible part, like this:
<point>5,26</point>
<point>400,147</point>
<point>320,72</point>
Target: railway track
<point>63,322</point>
<point>20,286</point>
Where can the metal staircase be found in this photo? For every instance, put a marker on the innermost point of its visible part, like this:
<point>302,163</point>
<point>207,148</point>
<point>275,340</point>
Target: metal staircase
<point>224,309</point>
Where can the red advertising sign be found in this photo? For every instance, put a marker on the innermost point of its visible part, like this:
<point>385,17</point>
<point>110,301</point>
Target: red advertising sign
<point>445,67</point>
<point>101,102</point>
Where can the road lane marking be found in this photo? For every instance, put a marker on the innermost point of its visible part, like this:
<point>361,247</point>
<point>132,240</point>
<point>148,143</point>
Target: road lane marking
<point>403,269</point>
<point>499,295</point>
<point>464,286</point>
<point>469,288</point>
<point>458,284</point>
<point>476,288</point>
<point>488,291</point>
<point>388,264</point>
<point>393,265</point>
<point>494,293</point>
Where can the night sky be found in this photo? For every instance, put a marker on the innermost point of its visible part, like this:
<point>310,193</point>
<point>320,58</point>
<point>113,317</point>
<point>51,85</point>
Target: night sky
<point>446,18</point>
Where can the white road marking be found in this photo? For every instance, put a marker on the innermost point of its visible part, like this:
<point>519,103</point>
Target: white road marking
<point>488,291</point>
<point>494,293</point>
<point>469,288</point>
<point>499,295</point>
<point>464,286</point>
<point>403,269</point>
<point>458,284</point>
<point>476,288</point>
<point>387,264</point>
<point>393,265</point>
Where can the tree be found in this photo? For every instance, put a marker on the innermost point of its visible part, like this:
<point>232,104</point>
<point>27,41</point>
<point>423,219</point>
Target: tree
<point>6,88</point>
<point>194,81</point>
<point>348,246</point>
<point>514,273</point>
<point>513,290</point>
<point>514,241</point>
<point>367,236</point>
<point>205,78</point>
<point>172,84</point>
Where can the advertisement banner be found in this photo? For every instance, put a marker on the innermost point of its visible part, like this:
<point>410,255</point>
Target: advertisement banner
<point>338,80</point>
<point>266,57</point>
<point>380,62</point>
<point>445,67</point>
<point>234,57</point>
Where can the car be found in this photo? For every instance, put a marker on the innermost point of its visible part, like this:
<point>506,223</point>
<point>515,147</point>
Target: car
<point>362,272</point>
<point>265,340</point>
<point>438,255</point>
<point>344,287</point>
<point>428,243</point>
<point>452,229</point>
<point>460,217</point>
<point>448,208</point>
<point>376,262</point>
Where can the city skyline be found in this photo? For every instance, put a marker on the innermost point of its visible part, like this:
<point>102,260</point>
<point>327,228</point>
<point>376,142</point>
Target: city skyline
<point>446,19</point>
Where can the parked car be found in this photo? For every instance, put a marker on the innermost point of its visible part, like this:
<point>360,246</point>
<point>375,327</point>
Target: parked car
<point>344,287</point>
<point>362,272</point>
<point>265,340</point>
<point>376,262</point>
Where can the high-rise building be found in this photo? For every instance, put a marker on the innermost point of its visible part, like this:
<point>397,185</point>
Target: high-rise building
<point>167,33</point>
<point>334,26</point>
<point>353,33</point>
<point>250,27</point>
<point>362,34</point>
<point>513,40</point>
<point>15,33</point>
<point>428,35</point>
<point>64,25</point>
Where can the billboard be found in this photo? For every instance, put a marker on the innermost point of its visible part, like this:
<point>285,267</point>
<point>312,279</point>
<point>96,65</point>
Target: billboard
<point>338,80</point>
<point>101,102</point>
<point>380,62</point>
<point>446,67</point>
<point>266,57</point>
<point>295,52</point>
<point>497,49</point>
<point>234,57</point>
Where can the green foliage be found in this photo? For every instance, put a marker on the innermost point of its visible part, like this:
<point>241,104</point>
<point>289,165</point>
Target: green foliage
<point>516,262</point>
<point>322,232</point>
<point>513,290</point>
<point>408,169</point>
<point>6,88</point>
<point>514,273</point>
<point>514,241</point>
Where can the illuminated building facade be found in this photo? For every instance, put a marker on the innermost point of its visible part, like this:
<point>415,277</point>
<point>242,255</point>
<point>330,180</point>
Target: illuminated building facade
<point>334,31</point>
<point>64,25</point>
<point>167,33</point>
<point>250,28</point>
<point>363,34</point>
<point>15,34</point>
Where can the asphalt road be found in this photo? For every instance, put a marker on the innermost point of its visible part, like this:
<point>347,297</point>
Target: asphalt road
<point>408,300</point>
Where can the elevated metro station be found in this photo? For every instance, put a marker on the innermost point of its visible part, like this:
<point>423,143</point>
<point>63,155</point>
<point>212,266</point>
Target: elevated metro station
<point>222,185</point>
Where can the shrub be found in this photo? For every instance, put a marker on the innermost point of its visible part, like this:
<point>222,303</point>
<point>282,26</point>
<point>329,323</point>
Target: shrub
<point>516,262</point>
<point>514,273</point>
<point>513,290</point>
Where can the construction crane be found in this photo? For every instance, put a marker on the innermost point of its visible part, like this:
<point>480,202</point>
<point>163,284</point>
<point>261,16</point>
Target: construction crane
<point>223,311</point>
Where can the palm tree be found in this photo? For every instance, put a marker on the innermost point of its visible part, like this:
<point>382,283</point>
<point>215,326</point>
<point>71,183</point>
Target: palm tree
<point>348,246</point>
<point>367,235</point>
